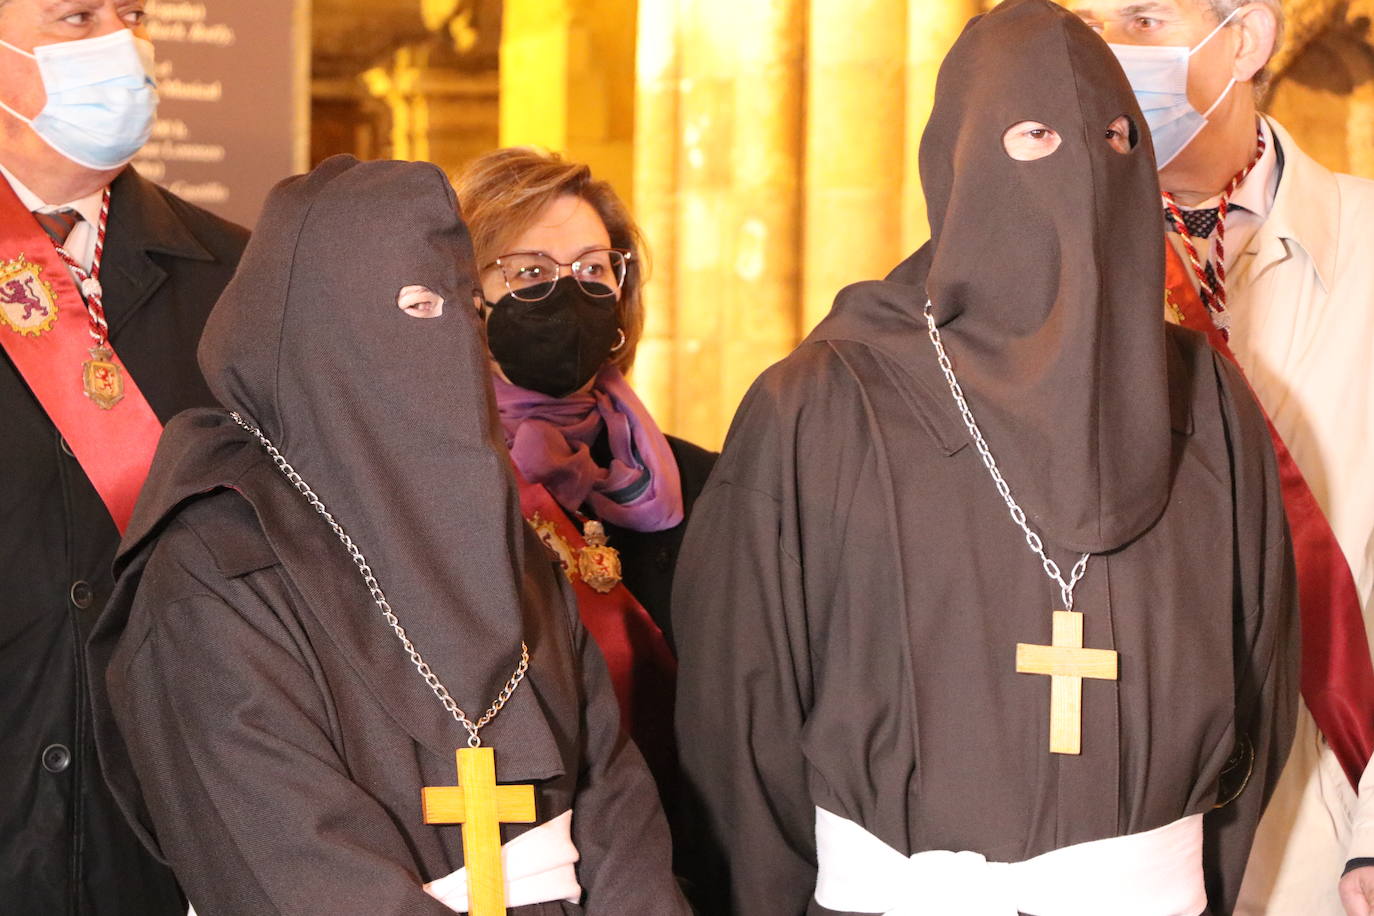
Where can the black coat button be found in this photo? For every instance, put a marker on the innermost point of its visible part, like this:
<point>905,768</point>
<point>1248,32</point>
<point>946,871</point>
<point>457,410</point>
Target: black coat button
<point>67,449</point>
<point>82,594</point>
<point>56,758</point>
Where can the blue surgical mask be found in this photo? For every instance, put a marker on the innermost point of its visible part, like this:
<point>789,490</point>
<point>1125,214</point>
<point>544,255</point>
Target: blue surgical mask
<point>1159,76</point>
<point>101,97</point>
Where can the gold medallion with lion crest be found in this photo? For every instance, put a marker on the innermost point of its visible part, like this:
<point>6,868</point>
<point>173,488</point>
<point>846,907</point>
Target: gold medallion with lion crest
<point>28,304</point>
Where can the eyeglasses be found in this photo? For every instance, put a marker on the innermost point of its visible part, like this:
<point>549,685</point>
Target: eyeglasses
<point>531,275</point>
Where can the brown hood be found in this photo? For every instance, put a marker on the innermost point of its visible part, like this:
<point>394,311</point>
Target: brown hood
<point>1047,276</point>
<point>389,418</point>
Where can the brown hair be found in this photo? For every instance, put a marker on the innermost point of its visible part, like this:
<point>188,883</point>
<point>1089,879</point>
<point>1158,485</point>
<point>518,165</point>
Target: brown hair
<point>502,193</point>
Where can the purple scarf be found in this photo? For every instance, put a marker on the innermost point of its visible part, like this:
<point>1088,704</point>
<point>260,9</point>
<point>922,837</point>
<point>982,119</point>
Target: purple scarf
<point>550,441</point>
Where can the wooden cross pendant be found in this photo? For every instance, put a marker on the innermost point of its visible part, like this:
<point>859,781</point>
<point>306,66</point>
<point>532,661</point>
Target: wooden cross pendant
<point>481,806</point>
<point>1067,663</point>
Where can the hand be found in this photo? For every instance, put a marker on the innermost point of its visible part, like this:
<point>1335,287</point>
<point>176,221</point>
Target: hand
<point>1357,891</point>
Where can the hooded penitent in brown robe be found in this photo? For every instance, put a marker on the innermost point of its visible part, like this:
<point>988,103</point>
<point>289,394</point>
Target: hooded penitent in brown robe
<point>852,589</point>
<point>261,723</point>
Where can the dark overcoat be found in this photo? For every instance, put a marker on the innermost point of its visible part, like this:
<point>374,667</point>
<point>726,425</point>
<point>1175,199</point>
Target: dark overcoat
<point>64,847</point>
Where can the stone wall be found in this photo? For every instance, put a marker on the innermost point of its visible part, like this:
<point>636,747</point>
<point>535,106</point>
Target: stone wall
<point>1323,90</point>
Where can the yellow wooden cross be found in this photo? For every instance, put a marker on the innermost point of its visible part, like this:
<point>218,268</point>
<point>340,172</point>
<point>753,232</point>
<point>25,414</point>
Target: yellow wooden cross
<point>1067,663</point>
<point>481,806</point>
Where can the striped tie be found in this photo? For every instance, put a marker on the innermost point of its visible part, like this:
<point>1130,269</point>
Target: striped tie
<point>58,225</point>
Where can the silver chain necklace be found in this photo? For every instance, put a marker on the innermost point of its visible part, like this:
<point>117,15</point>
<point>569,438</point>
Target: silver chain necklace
<point>1017,515</point>
<point>379,597</point>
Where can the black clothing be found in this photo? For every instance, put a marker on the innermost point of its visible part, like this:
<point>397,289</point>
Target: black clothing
<point>849,598</point>
<point>852,590</point>
<point>273,737</point>
<point>64,846</point>
<point>278,737</point>
<point>1046,276</point>
<point>649,558</point>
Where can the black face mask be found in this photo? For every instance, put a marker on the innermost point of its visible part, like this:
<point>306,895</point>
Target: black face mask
<point>555,345</point>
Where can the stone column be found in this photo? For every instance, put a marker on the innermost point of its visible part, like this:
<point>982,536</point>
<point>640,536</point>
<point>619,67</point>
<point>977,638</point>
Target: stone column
<point>567,81</point>
<point>855,150</point>
<point>655,203</point>
<point>534,73</point>
<point>776,162</point>
<point>932,27</point>
<point>738,237</point>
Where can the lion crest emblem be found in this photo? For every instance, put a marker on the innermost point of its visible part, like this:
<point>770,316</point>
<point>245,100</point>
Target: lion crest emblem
<point>27,303</point>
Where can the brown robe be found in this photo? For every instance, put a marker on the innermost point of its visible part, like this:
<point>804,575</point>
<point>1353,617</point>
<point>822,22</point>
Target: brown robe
<point>851,589</point>
<point>260,723</point>
<point>850,596</point>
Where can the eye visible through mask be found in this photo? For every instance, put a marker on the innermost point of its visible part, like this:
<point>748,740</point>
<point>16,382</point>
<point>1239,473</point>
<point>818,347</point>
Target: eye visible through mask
<point>420,302</point>
<point>1025,141</point>
<point>1121,135</point>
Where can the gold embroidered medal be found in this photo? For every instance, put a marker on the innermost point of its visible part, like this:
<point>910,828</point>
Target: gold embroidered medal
<point>28,304</point>
<point>101,378</point>
<point>547,532</point>
<point>598,564</point>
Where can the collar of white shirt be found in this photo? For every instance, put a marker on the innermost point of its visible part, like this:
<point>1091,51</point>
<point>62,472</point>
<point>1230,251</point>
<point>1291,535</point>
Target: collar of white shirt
<point>88,206</point>
<point>1257,192</point>
<point>81,243</point>
<point>1251,203</point>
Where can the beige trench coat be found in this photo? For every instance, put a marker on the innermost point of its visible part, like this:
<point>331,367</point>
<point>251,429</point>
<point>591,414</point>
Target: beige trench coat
<point>1302,293</point>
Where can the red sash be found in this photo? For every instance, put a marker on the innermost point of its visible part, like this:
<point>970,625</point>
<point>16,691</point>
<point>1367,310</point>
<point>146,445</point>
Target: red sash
<point>1337,675</point>
<point>643,669</point>
<point>44,329</point>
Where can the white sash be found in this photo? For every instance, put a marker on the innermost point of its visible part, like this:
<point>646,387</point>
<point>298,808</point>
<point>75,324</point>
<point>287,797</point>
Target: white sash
<point>538,866</point>
<point>1156,873</point>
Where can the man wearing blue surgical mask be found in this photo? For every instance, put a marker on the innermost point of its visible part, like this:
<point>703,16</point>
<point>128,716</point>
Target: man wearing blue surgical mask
<point>105,282</point>
<point>1273,251</point>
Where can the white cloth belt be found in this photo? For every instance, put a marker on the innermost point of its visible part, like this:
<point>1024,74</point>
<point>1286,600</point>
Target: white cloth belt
<point>538,866</point>
<point>1156,873</point>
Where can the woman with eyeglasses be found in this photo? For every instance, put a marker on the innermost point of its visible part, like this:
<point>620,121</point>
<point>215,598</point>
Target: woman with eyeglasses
<point>561,269</point>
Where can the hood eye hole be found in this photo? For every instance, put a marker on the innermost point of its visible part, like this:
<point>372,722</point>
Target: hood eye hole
<point>420,302</point>
<point>1026,141</point>
<point>1121,134</point>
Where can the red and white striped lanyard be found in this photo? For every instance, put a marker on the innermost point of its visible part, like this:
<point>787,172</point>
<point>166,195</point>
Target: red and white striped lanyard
<point>91,291</point>
<point>1214,298</point>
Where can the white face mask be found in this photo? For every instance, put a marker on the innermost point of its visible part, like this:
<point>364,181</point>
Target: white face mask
<point>1159,77</point>
<point>101,97</point>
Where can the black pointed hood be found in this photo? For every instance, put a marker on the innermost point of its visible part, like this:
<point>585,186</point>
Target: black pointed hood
<point>386,416</point>
<point>391,420</point>
<point>1046,276</point>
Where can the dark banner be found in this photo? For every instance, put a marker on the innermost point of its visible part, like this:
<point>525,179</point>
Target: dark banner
<point>233,77</point>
